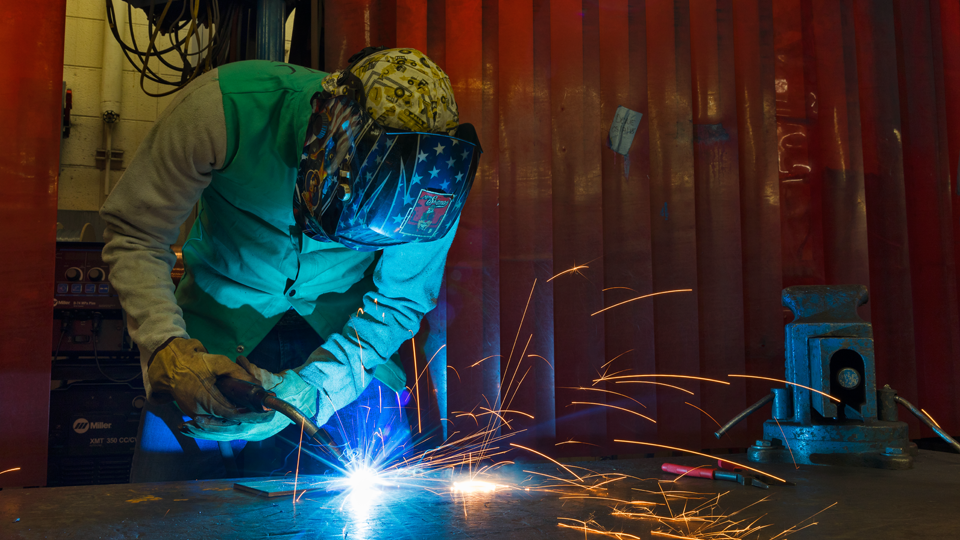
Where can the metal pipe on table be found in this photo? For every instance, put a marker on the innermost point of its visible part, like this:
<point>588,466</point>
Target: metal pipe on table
<point>926,420</point>
<point>746,412</point>
<point>270,25</point>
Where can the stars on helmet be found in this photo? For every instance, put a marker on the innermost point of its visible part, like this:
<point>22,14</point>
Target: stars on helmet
<point>416,179</point>
<point>408,199</point>
<point>459,177</point>
<point>466,153</point>
<point>434,172</point>
<point>439,148</point>
<point>450,163</point>
<point>421,156</point>
<point>445,185</point>
<point>398,219</point>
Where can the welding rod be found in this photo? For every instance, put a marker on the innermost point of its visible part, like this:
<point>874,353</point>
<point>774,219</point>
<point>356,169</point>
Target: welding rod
<point>254,397</point>
<point>926,420</point>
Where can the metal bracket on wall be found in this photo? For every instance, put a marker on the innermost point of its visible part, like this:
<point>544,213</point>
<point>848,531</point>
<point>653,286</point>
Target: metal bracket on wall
<point>116,159</point>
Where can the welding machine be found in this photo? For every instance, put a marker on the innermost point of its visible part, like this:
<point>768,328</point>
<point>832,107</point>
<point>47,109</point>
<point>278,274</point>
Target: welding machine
<point>93,431</point>
<point>831,412</point>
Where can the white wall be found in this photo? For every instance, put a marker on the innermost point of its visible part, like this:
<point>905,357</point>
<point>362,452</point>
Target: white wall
<point>80,180</point>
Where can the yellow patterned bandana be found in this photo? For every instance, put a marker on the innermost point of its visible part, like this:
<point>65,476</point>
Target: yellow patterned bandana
<point>406,90</point>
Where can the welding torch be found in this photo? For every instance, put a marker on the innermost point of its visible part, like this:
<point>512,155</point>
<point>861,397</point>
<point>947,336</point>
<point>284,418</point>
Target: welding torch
<point>255,398</point>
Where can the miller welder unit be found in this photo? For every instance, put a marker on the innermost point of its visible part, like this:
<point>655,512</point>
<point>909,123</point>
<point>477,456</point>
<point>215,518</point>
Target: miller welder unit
<point>97,397</point>
<point>832,413</point>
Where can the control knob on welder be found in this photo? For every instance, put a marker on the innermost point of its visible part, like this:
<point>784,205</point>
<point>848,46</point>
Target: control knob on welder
<point>74,274</point>
<point>96,274</point>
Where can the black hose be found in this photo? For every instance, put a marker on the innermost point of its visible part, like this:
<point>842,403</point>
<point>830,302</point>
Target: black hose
<point>311,429</point>
<point>746,412</point>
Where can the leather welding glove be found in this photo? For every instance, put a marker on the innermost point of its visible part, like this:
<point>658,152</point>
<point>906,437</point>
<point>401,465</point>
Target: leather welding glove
<point>286,385</point>
<point>182,371</point>
<point>338,382</point>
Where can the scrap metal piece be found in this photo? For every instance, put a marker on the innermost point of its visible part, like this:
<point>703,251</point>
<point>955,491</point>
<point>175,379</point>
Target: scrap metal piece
<point>280,487</point>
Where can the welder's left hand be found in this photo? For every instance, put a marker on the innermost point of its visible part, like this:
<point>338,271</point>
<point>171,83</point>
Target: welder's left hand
<point>287,386</point>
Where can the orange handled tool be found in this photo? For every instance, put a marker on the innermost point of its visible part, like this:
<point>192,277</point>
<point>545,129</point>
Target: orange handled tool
<point>713,474</point>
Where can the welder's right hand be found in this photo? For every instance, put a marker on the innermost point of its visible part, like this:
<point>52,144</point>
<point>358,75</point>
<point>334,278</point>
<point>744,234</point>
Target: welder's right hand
<point>287,386</point>
<point>181,370</point>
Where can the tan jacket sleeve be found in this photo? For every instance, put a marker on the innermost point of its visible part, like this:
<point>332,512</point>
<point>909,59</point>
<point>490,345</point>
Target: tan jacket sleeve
<point>153,198</point>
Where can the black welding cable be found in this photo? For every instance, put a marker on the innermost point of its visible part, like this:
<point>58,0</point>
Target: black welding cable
<point>63,331</point>
<point>96,356</point>
<point>143,66</point>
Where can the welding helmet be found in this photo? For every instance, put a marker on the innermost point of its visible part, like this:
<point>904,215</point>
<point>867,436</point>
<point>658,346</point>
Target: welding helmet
<point>385,160</point>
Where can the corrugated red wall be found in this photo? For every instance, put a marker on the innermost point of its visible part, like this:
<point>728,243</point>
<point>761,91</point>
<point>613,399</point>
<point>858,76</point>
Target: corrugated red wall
<point>782,143</point>
<point>31,75</point>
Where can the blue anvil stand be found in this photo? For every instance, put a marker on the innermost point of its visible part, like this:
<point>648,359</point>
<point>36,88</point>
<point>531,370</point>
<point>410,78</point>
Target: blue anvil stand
<point>829,348</point>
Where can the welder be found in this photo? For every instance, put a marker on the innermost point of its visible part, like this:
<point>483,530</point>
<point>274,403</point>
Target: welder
<point>326,204</point>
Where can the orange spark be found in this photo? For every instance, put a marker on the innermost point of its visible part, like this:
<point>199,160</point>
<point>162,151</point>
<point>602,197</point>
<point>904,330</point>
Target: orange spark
<point>930,417</point>
<point>10,470</point>
<point>360,345</point>
<point>786,441</point>
<point>587,529</point>
<point>471,416</point>
<point>540,357</point>
<point>455,371</point>
<point>296,475</point>
<point>524,316</point>
<point>640,298</point>
<point>478,362</point>
<point>700,454</point>
<point>705,412</point>
<point>528,415</point>
<point>615,357</point>
<point>790,530</point>
<point>787,382</point>
<point>564,467</point>
<point>431,360</point>
<point>637,503</point>
<point>576,442</point>
<point>613,407</point>
<point>606,376</point>
<point>574,269</point>
<point>612,288</point>
<point>668,535</point>
<point>525,373</point>
<point>656,383</point>
<point>659,375</point>
<point>607,391</point>
<point>416,387</point>
<point>498,415</point>
<point>684,474</point>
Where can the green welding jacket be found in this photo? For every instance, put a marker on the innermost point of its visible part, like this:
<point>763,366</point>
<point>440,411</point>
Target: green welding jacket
<point>232,142</point>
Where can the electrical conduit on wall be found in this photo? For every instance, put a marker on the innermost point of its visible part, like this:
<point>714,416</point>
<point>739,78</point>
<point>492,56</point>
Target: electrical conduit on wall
<point>111,91</point>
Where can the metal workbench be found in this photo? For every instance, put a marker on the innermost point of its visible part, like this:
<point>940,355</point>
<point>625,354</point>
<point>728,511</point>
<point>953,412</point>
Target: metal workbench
<point>878,504</point>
